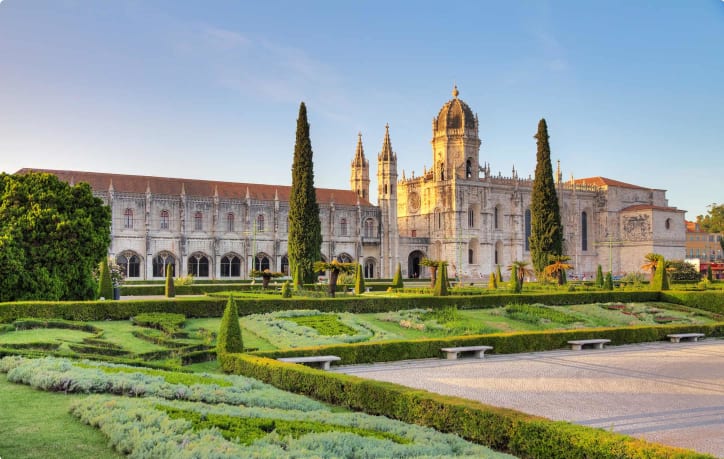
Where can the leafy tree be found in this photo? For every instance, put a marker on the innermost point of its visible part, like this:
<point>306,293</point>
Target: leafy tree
<point>359,281</point>
<point>522,270</point>
<point>105,287</point>
<point>515,284</point>
<point>608,282</point>
<point>558,267</point>
<point>546,230</point>
<point>441,281</point>
<point>305,228</point>
<point>170,290</point>
<point>334,268</point>
<point>52,237</point>
<point>713,221</point>
<point>599,277</point>
<point>397,279</point>
<point>709,275</point>
<point>651,260</point>
<point>229,339</point>
<point>432,265</point>
<point>266,276</point>
<point>661,278</point>
<point>492,282</point>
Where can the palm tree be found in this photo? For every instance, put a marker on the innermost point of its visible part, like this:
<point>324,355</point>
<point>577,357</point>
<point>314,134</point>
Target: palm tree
<point>557,267</point>
<point>334,268</point>
<point>523,270</point>
<point>432,265</point>
<point>651,260</point>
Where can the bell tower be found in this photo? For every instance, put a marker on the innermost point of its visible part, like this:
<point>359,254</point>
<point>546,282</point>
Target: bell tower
<point>359,180</point>
<point>387,201</point>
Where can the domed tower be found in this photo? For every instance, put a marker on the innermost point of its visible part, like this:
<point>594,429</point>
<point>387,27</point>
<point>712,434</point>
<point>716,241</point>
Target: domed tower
<point>359,180</point>
<point>455,141</point>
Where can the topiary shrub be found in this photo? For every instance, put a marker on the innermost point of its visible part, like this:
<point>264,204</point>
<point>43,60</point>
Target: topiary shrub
<point>105,286</point>
<point>608,283</point>
<point>492,282</point>
<point>515,286</point>
<point>397,279</point>
<point>229,338</point>
<point>498,274</point>
<point>359,281</point>
<point>170,288</point>
<point>286,290</point>
<point>661,279</point>
<point>441,280</point>
<point>599,277</point>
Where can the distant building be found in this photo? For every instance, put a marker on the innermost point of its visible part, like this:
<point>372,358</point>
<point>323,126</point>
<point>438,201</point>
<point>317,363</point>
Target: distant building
<point>701,244</point>
<point>457,210</point>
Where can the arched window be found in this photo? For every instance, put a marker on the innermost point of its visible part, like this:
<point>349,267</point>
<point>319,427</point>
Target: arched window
<point>261,262</point>
<point>667,223</point>
<point>471,218</point>
<point>128,218</point>
<point>471,256</point>
<point>370,228</point>
<point>498,253</point>
<point>230,222</point>
<point>343,227</point>
<point>468,169</point>
<point>344,258</point>
<point>369,268</point>
<point>527,230</point>
<point>230,266</point>
<point>130,264</point>
<point>584,231</point>
<point>198,265</point>
<point>260,223</point>
<point>198,221</point>
<point>160,262</point>
<point>496,217</point>
<point>438,219</point>
<point>164,219</point>
<point>285,265</point>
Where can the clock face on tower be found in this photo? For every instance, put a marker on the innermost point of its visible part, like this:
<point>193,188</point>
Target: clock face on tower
<point>414,202</point>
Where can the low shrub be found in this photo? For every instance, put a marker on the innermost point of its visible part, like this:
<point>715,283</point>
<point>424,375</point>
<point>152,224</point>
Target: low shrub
<point>167,322</point>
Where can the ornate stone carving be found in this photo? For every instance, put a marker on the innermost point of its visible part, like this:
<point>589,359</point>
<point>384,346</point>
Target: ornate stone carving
<point>636,228</point>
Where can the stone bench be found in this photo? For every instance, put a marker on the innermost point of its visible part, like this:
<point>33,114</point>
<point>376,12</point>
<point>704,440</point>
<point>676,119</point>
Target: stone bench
<point>675,338</point>
<point>479,351</point>
<point>318,361</point>
<point>578,344</point>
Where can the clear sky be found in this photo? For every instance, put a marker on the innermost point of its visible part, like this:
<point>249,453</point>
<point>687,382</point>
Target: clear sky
<point>632,90</point>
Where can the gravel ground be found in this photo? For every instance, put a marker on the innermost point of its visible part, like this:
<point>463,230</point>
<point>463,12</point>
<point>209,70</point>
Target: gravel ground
<point>670,393</point>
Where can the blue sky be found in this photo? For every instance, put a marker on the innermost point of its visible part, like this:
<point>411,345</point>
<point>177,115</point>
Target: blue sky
<point>631,90</point>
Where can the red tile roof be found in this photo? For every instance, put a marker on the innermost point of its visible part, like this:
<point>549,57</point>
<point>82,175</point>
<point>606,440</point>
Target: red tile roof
<point>603,181</point>
<point>201,188</point>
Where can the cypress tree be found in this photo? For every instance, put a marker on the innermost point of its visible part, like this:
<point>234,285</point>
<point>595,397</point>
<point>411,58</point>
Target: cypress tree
<point>492,283</point>
<point>305,229</point>
<point>441,280</point>
<point>105,286</point>
<point>499,275</point>
<point>515,286</point>
<point>546,231</point>
<point>608,283</point>
<point>599,277</point>
<point>709,274</point>
<point>286,290</point>
<point>229,339</point>
<point>397,279</point>
<point>660,280</point>
<point>359,281</point>
<point>170,289</point>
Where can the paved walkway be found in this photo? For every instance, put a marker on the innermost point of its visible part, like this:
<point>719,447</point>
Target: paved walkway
<point>662,392</point>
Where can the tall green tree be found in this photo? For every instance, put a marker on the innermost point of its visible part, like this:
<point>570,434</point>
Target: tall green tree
<point>397,279</point>
<point>661,277</point>
<point>515,284</point>
<point>498,274</point>
<point>599,277</point>
<point>52,237</point>
<point>713,221</point>
<point>105,286</point>
<point>305,228</point>
<point>359,281</point>
<point>441,280</point>
<point>492,283</point>
<point>229,339</point>
<point>608,283</point>
<point>546,230</point>
<point>170,290</point>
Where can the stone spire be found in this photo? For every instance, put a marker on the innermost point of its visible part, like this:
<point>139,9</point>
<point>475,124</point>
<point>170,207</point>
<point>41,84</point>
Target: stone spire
<point>359,155</point>
<point>359,180</point>
<point>387,154</point>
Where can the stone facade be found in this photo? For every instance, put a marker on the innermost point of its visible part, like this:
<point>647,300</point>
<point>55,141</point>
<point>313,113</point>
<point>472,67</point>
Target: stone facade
<point>457,211</point>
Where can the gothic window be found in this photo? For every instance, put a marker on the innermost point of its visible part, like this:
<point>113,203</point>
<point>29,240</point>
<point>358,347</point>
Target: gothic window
<point>160,262</point>
<point>370,228</point>
<point>468,169</point>
<point>164,219</point>
<point>285,265</point>
<point>130,264</point>
<point>471,218</point>
<point>128,218</point>
<point>667,223</point>
<point>198,265</point>
<point>584,231</point>
<point>369,268</point>
<point>471,256</point>
<point>385,189</point>
<point>437,219</point>
<point>496,217</point>
<point>198,221</point>
<point>343,227</point>
<point>261,262</point>
<point>230,266</point>
<point>230,222</point>
<point>260,223</point>
<point>527,230</point>
<point>344,258</point>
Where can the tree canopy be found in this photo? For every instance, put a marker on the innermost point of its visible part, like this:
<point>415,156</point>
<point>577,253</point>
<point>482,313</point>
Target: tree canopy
<point>713,221</point>
<point>546,235</point>
<point>305,228</point>
<point>52,237</point>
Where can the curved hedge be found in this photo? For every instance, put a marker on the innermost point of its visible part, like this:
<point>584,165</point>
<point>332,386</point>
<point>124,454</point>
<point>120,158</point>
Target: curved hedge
<point>503,429</point>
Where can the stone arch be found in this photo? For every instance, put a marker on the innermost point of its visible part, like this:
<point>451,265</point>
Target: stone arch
<point>414,268</point>
<point>262,261</point>
<point>473,252</point>
<point>498,253</point>
<point>344,257</point>
<point>199,265</point>
<point>131,263</point>
<point>231,265</point>
<point>161,260</point>
<point>370,265</point>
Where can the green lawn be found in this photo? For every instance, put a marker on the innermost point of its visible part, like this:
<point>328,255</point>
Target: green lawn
<point>24,434</point>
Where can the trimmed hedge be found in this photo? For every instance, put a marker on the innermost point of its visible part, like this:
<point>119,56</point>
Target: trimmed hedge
<point>712,301</point>
<point>503,429</point>
<point>503,343</point>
